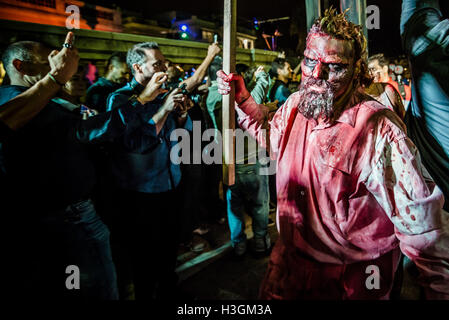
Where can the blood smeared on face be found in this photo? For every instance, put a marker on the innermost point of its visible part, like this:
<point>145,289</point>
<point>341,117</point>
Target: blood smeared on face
<point>327,72</point>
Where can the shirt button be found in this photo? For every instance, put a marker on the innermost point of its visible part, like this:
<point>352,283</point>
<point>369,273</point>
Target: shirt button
<point>160,140</point>
<point>302,193</point>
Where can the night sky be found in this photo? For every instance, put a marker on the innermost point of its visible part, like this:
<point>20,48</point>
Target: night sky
<point>386,40</point>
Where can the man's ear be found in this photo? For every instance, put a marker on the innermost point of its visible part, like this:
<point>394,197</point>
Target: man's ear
<point>110,67</point>
<point>137,68</point>
<point>18,64</point>
<point>385,69</point>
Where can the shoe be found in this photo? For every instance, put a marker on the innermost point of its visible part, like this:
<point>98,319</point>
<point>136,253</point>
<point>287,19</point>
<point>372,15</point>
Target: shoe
<point>240,248</point>
<point>270,222</point>
<point>262,245</point>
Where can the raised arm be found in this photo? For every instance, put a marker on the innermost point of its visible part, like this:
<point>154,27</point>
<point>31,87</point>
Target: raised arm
<point>259,92</point>
<point>198,76</point>
<point>20,110</point>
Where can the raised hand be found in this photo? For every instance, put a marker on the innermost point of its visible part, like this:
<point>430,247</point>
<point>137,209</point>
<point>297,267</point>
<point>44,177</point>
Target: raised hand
<point>153,88</point>
<point>224,86</point>
<point>260,69</point>
<point>213,49</point>
<point>64,63</point>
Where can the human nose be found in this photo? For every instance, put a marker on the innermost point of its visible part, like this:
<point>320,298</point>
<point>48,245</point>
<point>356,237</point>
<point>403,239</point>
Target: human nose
<point>319,71</point>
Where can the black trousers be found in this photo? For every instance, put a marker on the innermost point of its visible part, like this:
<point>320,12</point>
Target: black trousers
<point>193,211</point>
<point>144,238</point>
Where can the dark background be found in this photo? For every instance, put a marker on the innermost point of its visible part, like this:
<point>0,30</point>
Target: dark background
<point>386,40</point>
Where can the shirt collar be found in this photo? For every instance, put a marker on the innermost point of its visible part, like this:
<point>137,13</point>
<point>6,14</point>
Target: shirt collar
<point>106,81</point>
<point>136,86</point>
<point>348,116</point>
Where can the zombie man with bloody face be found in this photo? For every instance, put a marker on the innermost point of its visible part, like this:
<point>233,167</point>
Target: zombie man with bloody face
<point>351,190</point>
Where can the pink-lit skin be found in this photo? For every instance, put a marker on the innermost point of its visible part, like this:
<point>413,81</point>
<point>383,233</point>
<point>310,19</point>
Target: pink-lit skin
<point>328,59</point>
<point>350,192</point>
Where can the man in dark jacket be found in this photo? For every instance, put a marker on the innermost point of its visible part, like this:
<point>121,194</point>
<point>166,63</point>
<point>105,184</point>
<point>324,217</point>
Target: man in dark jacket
<point>146,179</point>
<point>117,74</point>
<point>60,245</point>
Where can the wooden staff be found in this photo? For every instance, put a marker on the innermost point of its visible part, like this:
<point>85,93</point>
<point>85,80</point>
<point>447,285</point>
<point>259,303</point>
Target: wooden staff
<point>229,41</point>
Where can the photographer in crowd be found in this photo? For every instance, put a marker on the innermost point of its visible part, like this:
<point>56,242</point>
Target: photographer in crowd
<point>146,181</point>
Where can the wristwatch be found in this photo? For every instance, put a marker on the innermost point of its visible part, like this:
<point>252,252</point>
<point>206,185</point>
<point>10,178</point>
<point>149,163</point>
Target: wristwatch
<point>134,99</point>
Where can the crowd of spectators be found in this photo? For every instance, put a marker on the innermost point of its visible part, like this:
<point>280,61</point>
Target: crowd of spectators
<point>88,179</point>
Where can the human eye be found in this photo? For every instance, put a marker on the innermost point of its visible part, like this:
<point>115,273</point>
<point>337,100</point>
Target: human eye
<point>310,62</point>
<point>337,67</point>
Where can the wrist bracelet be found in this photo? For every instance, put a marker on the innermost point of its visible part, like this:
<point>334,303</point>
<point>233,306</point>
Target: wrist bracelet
<point>183,115</point>
<point>140,101</point>
<point>135,99</point>
<point>52,77</point>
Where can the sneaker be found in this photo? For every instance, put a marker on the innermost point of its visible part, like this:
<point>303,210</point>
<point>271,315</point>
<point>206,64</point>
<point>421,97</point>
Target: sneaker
<point>240,248</point>
<point>262,245</point>
<point>270,222</point>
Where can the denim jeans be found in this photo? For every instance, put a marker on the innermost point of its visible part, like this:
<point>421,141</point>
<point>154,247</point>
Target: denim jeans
<point>74,236</point>
<point>249,194</point>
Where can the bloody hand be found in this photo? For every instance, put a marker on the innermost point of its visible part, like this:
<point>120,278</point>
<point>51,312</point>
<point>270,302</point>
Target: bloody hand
<point>224,86</point>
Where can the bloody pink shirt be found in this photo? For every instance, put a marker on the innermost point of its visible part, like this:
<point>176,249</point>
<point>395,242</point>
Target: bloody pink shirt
<point>355,190</point>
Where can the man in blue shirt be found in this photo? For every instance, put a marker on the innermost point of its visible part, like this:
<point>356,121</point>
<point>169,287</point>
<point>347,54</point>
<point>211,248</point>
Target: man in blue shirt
<point>146,180</point>
<point>281,72</point>
<point>425,36</point>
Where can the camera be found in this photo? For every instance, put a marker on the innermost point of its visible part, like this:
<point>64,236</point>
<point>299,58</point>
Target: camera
<point>183,89</point>
<point>195,97</point>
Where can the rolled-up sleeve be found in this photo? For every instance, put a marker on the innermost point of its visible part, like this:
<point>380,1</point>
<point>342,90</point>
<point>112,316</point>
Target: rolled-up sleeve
<point>414,204</point>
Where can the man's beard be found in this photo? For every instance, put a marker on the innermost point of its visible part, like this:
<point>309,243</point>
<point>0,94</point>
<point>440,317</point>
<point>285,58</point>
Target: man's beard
<point>316,104</point>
